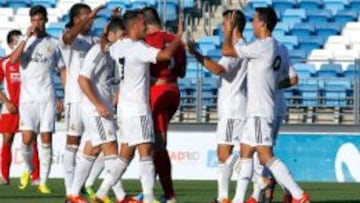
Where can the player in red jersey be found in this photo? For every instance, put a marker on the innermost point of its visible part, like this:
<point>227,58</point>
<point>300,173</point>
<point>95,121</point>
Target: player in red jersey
<point>164,95</point>
<point>9,116</point>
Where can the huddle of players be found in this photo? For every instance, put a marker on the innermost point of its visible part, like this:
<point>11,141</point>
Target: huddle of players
<point>251,75</point>
<point>251,106</point>
<point>89,67</point>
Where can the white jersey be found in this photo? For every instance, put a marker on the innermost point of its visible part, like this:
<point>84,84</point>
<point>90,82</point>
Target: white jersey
<point>281,104</point>
<point>74,55</point>
<point>37,64</point>
<point>264,65</point>
<point>133,59</point>
<point>232,90</point>
<point>99,68</point>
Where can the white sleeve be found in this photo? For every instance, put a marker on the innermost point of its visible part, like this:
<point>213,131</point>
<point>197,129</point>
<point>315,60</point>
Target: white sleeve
<point>146,53</point>
<point>252,50</point>
<point>88,68</point>
<point>292,72</point>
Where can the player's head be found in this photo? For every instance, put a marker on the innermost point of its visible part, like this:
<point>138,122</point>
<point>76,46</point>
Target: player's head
<point>151,17</point>
<point>134,23</point>
<point>264,20</point>
<point>240,19</point>
<point>13,38</point>
<point>78,12</point>
<point>38,18</point>
<point>114,29</point>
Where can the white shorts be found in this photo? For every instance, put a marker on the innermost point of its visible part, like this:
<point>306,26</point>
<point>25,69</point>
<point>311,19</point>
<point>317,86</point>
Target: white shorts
<point>37,116</point>
<point>74,124</point>
<point>98,130</point>
<point>229,131</point>
<point>258,132</point>
<point>136,130</point>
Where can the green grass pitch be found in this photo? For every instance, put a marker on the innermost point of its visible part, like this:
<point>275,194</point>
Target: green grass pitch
<point>187,192</point>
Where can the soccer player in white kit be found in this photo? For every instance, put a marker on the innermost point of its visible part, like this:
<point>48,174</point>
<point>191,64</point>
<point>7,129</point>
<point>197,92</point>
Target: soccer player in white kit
<point>231,104</point>
<point>39,55</point>
<point>133,57</point>
<point>75,43</point>
<point>264,64</point>
<point>95,79</point>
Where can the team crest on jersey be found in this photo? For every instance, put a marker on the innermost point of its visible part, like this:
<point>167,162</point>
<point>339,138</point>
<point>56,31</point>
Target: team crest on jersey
<point>72,127</point>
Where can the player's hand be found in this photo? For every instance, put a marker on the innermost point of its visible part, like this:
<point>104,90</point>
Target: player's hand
<point>191,46</point>
<point>30,31</point>
<point>180,29</point>
<point>94,12</point>
<point>116,12</point>
<point>11,107</point>
<point>59,106</point>
<point>102,110</point>
<point>229,22</point>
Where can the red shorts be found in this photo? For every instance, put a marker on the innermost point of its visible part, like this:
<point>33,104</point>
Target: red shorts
<point>9,123</point>
<point>164,101</point>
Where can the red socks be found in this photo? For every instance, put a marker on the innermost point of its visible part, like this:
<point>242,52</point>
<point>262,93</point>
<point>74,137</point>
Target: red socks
<point>163,168</point>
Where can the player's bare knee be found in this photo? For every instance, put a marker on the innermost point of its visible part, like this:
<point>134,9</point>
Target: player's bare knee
<point>8,138</point>
<point>246,151</point>
<point>127,152</point>
<point>46,138</point>
<point>28,137</point>
<point>223,152</point>
<point>145,149</point>
<point>110,148</point>
<point>72,140</point>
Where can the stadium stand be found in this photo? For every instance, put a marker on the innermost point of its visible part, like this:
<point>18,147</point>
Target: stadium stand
<point>321,35</point>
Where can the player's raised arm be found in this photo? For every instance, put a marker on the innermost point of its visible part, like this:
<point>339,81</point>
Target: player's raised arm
<point>16,54</point>
<point>229,24</point>
<point>168,52</point>
<point>70,35</point>
<point>209,64</point>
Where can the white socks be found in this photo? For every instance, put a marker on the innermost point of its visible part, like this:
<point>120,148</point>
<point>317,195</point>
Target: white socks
<point>69,166</point>
<point>147,178</point>
<point>27,154</point>
<point>243,180</point>
<point>45,162</point>
<point>119,191</point>
<point>224,174</point>
<point>82,170</point>
<point>97,168</point>
<point>283,177</point>
<point>114,168</point>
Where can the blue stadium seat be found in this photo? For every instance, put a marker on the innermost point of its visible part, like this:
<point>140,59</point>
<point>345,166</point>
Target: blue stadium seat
<point>303,29</point>
<point>344,16</point>
<point>145,2</point>
<point>327,29</point>
<point>15,4</point>
<point>211,39</point>
<point>354,4</point>
<point>191,73</point>
<point>2,52</point>
<point>214,54</point>
<point>350,72</point>
<point>45,3</point>
<point>282,26</point>
<point>309,4</point>
<point>259,3</point>
<point>117,3</point>
<point>249,14</point>
<point>210,84</point>
<point>106,12</point>
<point>329,70</point>
<point>98,26</point>
<point>2,2</point>
<point>310,94</point>
<point>334,5</point>
<point>278,33</point>
<point>282,5</point>
<point>309,43</point>
<point>305,70</point>
<point>292,16</point>
<point>335,94</point>
<point>298,54</point>
<point>55,29</point>
<point>289,41</point>
<point>192,65</point>
<point>171,11</point>
<point>188,4</point>
<point>319,15</point>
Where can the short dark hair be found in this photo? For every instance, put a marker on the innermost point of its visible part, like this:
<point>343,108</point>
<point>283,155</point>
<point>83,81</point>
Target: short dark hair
<point>38,9</point>
<point>75,11</point>
<point>268,15</point>
<point>151,16</point>
<point>11,34</point>
<point>129,17</point>
<point>240,19</point>
<point>115,24</point>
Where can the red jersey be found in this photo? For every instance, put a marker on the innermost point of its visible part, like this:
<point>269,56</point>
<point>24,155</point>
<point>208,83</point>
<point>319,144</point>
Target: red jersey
<point>10,78</point>
<point>166,70</point>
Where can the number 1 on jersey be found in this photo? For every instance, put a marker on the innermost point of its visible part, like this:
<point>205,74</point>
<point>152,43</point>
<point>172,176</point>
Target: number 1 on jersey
<point>122,67</point>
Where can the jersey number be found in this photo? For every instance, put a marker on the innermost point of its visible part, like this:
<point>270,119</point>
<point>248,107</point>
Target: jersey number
<point>122,68</point>
<point>277,63</point>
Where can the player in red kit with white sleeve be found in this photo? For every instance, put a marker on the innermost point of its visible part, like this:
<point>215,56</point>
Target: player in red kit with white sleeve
<point>164,95</point>
<point>9,115</point>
